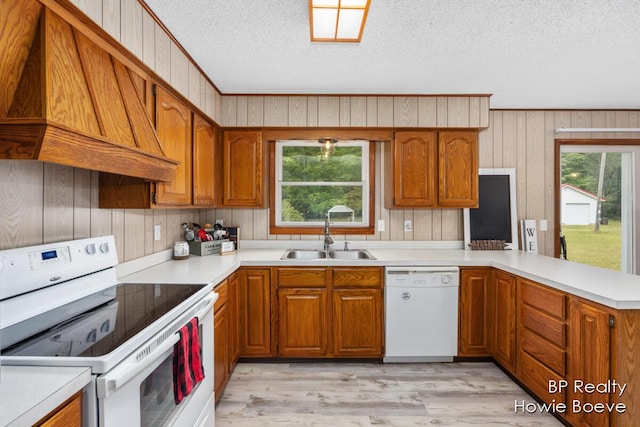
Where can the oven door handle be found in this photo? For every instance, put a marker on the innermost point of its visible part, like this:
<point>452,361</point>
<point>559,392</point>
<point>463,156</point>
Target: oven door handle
<point>127,370</point>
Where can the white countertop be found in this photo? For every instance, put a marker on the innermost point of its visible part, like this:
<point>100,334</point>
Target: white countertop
<point>610,288</point>
<point>28,394</point>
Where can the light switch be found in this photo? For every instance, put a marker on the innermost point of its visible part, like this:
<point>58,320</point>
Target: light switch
<point>156,232</point>
<point>381,225</point>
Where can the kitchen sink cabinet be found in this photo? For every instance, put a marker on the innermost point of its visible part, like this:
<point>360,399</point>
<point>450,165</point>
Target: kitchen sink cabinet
<point>243,169</point>
<point>302,321</point>
<point>503,324</point>
<point>329,312</point>
<point>302,312</point>
<point>358,311</point>
<point>473,313</point>
<point>254,294</point>
<point>432,169</point>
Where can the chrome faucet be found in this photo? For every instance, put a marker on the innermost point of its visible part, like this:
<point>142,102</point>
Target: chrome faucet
<point>327,238</point>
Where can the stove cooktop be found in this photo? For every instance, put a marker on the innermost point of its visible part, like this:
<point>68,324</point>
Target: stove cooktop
<point>118,314</point>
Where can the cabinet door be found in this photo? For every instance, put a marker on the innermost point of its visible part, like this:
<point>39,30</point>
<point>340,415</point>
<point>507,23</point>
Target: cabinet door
<point>458,169</point>
<point>173,124</point>
<point>357,322</point>
<point>204,145</point>
<point>302,322</point>
<point>413,170</point>
<point>220,348</point>
<point>504,322</point>
<point>255,312</point>
<point>473,313</point>
<point>243,173</point>
<point>589,359</point>
<point>233,312</point>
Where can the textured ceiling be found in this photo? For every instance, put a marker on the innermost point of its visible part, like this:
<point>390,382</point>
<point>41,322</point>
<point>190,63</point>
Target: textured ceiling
<point>526,53</point>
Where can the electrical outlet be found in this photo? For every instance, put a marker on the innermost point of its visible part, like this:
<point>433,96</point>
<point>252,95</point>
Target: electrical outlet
<point>543,225</point>
<point>156,232</point>
<point>220,221</point>
<point>407,225</point>
<point>381,225</point>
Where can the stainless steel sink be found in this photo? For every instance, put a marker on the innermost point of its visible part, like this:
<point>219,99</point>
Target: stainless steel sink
<point>304,254</point>
<point>314,254</point>
<point>352,254</point>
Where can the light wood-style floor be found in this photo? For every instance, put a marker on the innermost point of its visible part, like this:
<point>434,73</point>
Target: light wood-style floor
<point>363,394</point>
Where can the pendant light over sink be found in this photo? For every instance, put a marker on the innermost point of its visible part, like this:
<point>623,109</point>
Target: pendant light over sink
<point>337,20</point>
<point>328,146</point>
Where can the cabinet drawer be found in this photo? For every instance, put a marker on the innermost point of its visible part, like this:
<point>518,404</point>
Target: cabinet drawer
<point>302,277</point>
<point>536,377</point>
<point>544,299</point>
<point>357,277</point>
<point>223,295</point>
<point>545,326</point>
<point>550,355</point>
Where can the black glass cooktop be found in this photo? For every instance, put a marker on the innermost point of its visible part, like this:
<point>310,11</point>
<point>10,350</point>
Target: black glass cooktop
<point>118,314</point>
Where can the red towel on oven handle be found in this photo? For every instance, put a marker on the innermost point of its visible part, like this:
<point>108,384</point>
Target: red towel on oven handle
<point>187,365</point>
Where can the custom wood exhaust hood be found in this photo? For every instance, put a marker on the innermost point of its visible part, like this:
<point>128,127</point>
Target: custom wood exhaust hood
<point>66,100</point>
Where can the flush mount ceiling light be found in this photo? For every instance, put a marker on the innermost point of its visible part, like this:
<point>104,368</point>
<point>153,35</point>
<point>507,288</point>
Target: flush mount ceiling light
<point>337,20</point>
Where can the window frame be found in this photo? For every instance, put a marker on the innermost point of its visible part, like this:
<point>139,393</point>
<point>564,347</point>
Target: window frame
<point>274,228</point>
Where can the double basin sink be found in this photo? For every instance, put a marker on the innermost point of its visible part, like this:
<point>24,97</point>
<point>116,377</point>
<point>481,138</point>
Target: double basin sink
<point>313,254</point>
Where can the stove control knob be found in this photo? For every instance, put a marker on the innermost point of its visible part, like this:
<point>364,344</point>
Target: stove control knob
<point>90,249</point>
<point>104,248</point>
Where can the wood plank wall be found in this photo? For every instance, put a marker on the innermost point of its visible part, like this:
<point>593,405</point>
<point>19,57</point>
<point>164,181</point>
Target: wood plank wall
<point>41,203</point>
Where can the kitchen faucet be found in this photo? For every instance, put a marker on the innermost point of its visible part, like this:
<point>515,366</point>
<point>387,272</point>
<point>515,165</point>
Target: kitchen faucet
<point>327,238</point>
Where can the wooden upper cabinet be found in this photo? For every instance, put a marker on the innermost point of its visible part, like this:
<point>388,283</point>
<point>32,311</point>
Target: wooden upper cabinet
<point>411,167</point>
<point>458,169</point>
<point>173,124</point>
<point>204,155</point>
<point>243,169</point>
<point>431,169</point>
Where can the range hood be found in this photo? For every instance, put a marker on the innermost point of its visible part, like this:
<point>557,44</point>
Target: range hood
<point>66,100</point>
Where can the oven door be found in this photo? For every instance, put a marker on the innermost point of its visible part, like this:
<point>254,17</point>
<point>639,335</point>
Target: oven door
<point>139,391</point>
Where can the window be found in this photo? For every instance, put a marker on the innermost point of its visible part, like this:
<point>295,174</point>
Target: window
<point>311,182</point>
<point>598,195</point>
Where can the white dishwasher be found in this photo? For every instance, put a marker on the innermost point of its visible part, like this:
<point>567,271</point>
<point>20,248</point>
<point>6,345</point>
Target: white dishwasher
<point>421,314</point>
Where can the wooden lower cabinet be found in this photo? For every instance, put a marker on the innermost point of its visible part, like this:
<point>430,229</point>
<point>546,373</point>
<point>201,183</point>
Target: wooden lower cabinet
<point>221,365</point>
<point>473,311</point>
<point>590,363</point>
<point>233,309</point>
<point>329,312</point>
<point>542,340</point>
<point>69,414</point>
<point>254,295</point>
<point>302,321</point>
<point>357,323</point>
<point>503,324</point>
